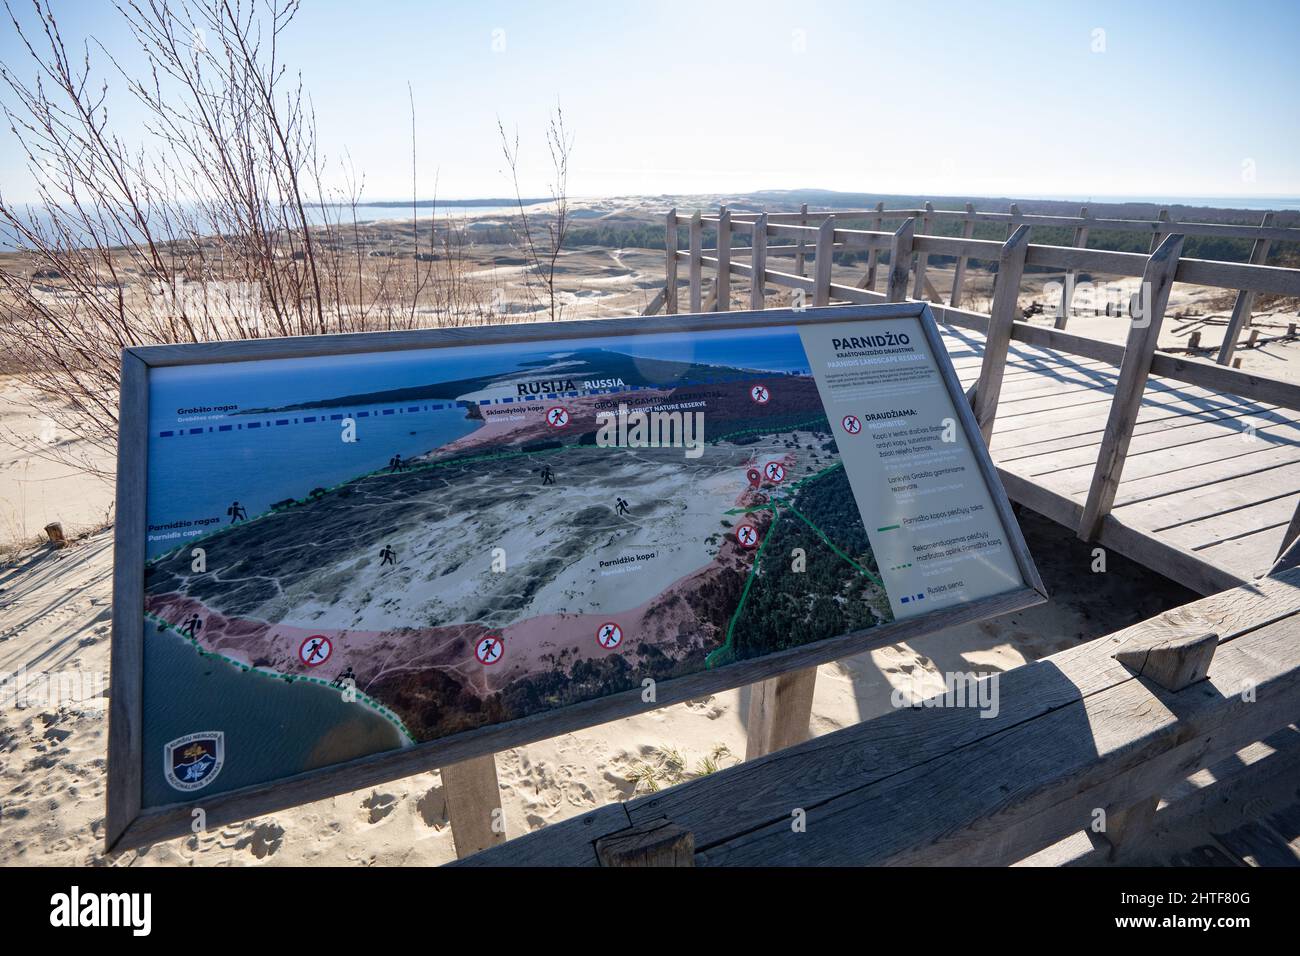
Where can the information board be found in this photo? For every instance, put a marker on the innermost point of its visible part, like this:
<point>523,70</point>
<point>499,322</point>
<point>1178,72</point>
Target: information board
<point>347,558</point>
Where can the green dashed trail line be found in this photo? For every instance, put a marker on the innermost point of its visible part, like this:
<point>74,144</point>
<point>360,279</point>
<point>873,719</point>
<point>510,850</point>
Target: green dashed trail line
<point>719,655</point>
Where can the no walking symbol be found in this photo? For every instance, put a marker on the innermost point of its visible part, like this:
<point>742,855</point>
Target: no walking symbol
<point>557,417</point>
<point>489,650</point>
<point>775,472</point>
<point>747,535</point>
<point>851,424</point>
<point>315,650</point>
<point>760,394</point>
<point>610,635</point>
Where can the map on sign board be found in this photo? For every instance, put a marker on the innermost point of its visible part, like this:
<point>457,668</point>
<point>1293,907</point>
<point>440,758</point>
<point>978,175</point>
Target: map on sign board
<point>351,554</point>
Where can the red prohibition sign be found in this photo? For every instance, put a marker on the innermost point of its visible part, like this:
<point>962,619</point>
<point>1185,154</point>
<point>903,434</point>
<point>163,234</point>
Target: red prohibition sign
<point>851,424</point>
<point>747,535</point>
<point>609,635</point>
<point>557,417</point>
<point>775,472</point>
<point>490,649</point>
<point>760,394</point>
<point>315,650</point>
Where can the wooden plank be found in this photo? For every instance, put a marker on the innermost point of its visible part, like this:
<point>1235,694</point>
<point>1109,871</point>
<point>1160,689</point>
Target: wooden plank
<point>922,260</point>
<point>998,800</point>
<point>900,259</point>
<point>800,257</point>
<point>1133,373</point>
<point>1067,290</point>
<point>696,239</point>
<point>670,262</point>
<point>779,711</point>
<point>655,843</point>
<point>959,273</point>
<point>474,804</point>
<point>825,259</point>
<point>126,700</point>
<point>1161,231</point>
<point>757,300</point>
<point>723,303</point>
<point>1175,661</point>
<point>540,848</point>
<point>873,256</point>
<point>989,388</point>
<point>1241,309</point>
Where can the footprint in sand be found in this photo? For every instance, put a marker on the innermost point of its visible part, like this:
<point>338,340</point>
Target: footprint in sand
<point>380,805</point>
<point>264,840</point>
<point>432,808</point>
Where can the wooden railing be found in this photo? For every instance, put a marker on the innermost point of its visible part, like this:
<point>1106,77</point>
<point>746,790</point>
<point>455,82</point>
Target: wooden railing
<point>909,250</point>
<point>802,229</point>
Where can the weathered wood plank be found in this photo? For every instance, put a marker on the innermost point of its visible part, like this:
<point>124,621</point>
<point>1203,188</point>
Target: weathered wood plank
<point>998,800</point>
<point>900,261</point>
<point>1241,309</point>
<point>1134,369</point>
<point>670,262</point>
<point>723,286</point>
<point>989,388</point>
<point>825,259</point>
<point>474,804</point>
<point>656,843</point>
<point>780,709</point>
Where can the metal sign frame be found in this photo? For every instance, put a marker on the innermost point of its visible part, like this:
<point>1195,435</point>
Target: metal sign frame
<point>127,825</point>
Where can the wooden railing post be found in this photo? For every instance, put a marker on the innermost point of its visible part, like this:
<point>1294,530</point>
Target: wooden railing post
<point>1011,265</point>
<point>758,263</point>
<point>1067,292</point>
<point>1157,279</point>
<point>473,804</point>
<point>696,233</point>
<point>825,257</point>
<point>723,304</point>
<point>1241,309</point>
<point>868,281</point>
<point>779,711</point>
<point>670,262</point>
<point>900,261</point>
<point>1014,209</point>
<point>802,250</point>
<point>1159,237</point>
<point>922,259</point>
<point>959,274</point>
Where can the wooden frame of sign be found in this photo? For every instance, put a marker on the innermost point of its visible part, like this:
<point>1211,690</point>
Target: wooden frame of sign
<point>127,825</point>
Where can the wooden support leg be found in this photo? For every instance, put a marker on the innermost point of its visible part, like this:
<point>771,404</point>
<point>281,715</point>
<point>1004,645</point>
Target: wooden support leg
<point>473,804</point>
<point>779,712</point>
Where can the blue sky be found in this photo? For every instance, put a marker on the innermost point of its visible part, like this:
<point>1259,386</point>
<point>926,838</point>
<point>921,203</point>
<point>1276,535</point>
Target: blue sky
<point>998,98</point>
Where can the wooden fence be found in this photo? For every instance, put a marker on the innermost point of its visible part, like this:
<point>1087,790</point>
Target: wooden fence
<point>909,249</point>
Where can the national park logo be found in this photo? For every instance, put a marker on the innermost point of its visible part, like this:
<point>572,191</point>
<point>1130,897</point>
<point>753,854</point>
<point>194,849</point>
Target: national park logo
<point>192,762</point>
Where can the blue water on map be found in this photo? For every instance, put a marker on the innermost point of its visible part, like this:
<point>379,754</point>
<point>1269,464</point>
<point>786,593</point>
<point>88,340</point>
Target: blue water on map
<point>197,477</point>
<point>272,729</point>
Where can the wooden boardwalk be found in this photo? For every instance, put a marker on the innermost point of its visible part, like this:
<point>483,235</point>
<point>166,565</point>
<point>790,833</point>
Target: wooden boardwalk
<point>1210,483</point>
